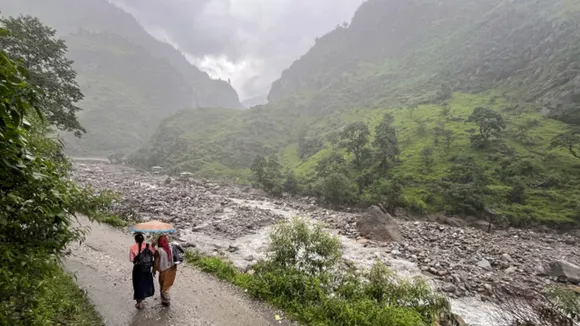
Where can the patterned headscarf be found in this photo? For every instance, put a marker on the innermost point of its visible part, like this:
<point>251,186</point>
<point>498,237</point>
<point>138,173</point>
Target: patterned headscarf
<point>163,242</point>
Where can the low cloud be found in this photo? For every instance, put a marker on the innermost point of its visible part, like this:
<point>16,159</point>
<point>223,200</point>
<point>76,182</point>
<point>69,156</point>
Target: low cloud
<point>247,41</point>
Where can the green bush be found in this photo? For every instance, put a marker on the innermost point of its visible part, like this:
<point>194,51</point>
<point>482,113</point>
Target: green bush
<point>304,275</point>
<point>338,189</point>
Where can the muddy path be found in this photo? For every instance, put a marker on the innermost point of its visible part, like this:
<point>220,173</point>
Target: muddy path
<point>102,268</point>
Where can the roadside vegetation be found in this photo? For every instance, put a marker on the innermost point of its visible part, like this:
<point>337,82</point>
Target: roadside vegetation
<point>38,200</point>
<point>306,277</point>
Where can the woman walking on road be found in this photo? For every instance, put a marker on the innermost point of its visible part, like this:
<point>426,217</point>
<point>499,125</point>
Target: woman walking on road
<point>166,267</point>
<point>141,255</point>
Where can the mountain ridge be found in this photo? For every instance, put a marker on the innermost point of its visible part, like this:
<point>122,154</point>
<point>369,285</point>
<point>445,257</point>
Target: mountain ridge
<point>94,17</point>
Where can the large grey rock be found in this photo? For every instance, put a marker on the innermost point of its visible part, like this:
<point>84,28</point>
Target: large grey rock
<point>378,226</point>
<point>564,270</point>
<point>484,263</point>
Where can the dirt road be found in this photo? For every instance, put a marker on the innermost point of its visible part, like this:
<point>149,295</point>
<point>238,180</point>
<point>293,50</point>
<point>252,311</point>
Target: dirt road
<point>101,265</point>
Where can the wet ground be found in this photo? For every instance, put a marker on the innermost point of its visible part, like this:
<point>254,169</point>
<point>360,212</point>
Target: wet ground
<point>102,268</point>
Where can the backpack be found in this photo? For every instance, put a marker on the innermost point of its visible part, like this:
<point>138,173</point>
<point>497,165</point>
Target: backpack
<point>178,253</point>
<point>144,259</point>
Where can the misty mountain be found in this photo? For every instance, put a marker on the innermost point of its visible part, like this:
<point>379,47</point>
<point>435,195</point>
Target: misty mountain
<point>129,78</point>
<point>253,101</point>
<point>428,63</point>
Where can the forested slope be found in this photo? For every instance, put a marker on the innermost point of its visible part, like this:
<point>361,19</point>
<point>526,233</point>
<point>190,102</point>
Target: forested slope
<point>124,71</point>
<point>428,64</point>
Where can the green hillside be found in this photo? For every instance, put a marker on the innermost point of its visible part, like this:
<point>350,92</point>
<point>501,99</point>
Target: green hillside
<point>130,80</point>
<point>429,64</point>
<point>127,92</point>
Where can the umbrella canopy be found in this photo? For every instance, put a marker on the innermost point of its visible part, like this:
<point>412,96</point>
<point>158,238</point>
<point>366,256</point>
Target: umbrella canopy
<point>153,227</point>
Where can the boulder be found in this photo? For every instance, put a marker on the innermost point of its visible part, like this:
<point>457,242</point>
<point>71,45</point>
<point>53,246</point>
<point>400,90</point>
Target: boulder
<point>378,226</point>
<point>482,225</point>
<point>484,263</point>
<point>564,271</point>
<point>454,221</point>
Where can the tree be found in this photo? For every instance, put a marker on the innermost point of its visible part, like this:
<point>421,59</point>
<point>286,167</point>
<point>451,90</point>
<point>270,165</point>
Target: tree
<point>386,143</point>
<point>387,193</point>
<point>490,125</point>
<point>338,189</point>
<point>44,56</point>
<point>569,140</point>
<point>37,198</point>
<point>267,173</point>
<point>291,184</point>
<point>329,164</point>
<point>427,157</point>
<point>308,146</point>
<point>355,138</point>
<point>449,138</point>
<point>464,187</point>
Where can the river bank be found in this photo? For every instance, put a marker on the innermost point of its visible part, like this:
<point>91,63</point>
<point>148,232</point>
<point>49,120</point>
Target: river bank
<point>464,263</point>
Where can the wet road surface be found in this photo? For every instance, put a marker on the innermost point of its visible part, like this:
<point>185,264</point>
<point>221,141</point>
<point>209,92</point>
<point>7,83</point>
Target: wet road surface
<point>101,266</point>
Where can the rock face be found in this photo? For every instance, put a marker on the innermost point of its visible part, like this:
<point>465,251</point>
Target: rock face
<point>378,226</point>
<point>565,271</point>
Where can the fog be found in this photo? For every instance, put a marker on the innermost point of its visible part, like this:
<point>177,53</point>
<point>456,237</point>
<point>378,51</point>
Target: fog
<point>249,42</point>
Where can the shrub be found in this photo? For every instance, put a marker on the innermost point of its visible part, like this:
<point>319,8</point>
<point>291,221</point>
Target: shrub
<point>387,193</point>
<point>307,248</point>
<point>338,189</point>
<point>304,276</point>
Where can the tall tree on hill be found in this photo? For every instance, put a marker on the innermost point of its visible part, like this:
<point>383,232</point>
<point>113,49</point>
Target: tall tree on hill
<point>355,138</point>
<point>44,56</point>
<point>386,143</point>
<point>569,140</point>
<point>490,123</point>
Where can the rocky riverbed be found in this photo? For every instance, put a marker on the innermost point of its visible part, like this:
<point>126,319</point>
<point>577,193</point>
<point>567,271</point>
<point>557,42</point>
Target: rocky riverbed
<point>468,264</point>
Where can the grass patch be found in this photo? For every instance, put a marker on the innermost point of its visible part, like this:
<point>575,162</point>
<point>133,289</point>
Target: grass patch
<point>113,220</point>
<point>55,300</point>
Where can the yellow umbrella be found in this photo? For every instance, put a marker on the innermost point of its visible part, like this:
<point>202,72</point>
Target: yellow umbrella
<point>153,227</point>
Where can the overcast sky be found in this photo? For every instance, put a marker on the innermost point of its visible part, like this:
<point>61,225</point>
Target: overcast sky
<point>247,41</point>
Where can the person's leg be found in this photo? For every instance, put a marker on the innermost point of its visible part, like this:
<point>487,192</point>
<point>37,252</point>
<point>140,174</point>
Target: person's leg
<point>166,279</point>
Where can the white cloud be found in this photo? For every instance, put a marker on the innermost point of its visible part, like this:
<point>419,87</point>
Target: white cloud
<point>249,42</point>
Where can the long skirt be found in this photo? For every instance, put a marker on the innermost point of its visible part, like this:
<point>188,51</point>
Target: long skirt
<point>166,279</point>
<point>142,284</point>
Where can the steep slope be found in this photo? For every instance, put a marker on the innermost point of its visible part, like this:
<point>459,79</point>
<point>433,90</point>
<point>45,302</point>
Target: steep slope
<point>429,64</point>
<point>127,92</point>
<point>394,50</point>
<point>123,44</point>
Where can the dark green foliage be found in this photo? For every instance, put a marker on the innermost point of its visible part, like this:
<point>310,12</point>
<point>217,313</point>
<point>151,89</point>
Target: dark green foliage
<point>386,144</point>
<point>490,123</point>
<point>266,172</point>
<point>37,200</point>
<point>464,188</point>
<point>354,138</point>
<point>308,146</point>
<point>427,157</point>
<point>523,130</point>
<point>291,184</point>
<point>330,164</point>
<point>569,140</point>
<point>44,56</point>
<point>386,192</point>
<point>517,193</point>
<point>338,189</point>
